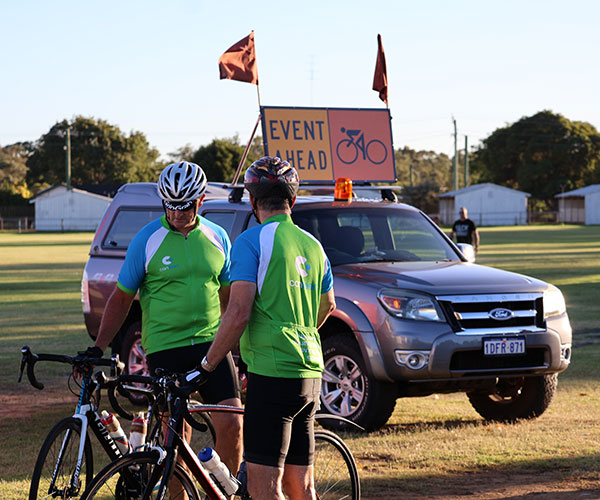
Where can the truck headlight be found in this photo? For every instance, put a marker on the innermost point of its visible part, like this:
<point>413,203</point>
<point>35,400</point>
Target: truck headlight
<point>554,302</point>
<point>407,304</point>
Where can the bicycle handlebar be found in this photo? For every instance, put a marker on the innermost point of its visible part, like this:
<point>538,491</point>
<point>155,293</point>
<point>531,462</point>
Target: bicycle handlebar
<point>30,359</point>
<point>117,383</point>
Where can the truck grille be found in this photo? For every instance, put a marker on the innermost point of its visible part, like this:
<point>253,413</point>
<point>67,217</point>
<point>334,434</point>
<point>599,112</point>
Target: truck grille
<point>494,313</point>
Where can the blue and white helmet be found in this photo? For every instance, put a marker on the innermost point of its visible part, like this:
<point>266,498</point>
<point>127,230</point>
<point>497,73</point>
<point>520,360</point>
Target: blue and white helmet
<point>180,184</point>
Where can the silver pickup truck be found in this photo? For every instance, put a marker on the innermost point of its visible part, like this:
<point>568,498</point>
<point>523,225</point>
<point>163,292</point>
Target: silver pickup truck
<point>415,315</point>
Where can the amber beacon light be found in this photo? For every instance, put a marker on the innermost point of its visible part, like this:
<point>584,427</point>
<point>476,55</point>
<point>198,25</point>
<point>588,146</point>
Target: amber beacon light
<point>343,189</point>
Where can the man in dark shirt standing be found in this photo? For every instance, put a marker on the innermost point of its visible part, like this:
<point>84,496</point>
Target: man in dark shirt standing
<point>465,230</point>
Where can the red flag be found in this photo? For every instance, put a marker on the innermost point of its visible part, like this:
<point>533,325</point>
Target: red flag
<point>239,61</point>
<point>380,78</point>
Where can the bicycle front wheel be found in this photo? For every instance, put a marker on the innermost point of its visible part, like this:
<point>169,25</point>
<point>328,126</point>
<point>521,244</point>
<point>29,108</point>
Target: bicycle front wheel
<point>56,465</point>
<point>336,475</point>
<point>138,476</point>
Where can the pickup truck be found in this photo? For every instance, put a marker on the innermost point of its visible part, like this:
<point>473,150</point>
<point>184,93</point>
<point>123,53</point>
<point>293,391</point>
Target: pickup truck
<point>415,315</point>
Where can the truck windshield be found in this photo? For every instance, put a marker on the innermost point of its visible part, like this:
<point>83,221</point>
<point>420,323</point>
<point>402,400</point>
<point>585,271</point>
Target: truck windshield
<point>375,234</point>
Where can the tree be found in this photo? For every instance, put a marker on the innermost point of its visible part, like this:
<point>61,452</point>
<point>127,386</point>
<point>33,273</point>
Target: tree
<point>544,154</point>
<point>427,166</point>
<point>13,172</point>
<point>221,157</point>
<point>423,196</point>
<point>100,154</point>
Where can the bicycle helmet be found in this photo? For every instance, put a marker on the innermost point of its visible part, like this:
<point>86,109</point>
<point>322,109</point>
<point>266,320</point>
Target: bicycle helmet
<point>180,184</point>
<point>271,177</point>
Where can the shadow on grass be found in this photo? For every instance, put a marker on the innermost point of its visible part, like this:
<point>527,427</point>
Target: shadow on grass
<point>577,478</point>
<point>43,267</point>
<point>46,243</point>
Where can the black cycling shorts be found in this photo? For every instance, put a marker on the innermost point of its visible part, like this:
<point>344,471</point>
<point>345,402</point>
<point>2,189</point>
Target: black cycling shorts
<point>221,384</point>
<point>279,420</point>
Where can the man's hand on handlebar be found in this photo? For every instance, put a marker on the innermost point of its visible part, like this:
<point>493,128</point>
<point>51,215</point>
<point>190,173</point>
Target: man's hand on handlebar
<point>92,352</point>
<point>197,376</point>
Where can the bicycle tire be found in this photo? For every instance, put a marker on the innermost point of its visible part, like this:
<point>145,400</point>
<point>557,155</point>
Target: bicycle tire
<point>204,432</point>
<point>127,477</point>
<point>336,474</point>
<point>67,432</point>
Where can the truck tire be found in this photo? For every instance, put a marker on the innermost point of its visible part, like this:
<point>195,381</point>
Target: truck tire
<point>348,391</point>
<point>134,357</point>
<point>515,398</point>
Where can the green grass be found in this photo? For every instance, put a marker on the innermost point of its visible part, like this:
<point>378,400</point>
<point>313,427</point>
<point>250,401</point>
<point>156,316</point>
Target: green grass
<point>437,442</point>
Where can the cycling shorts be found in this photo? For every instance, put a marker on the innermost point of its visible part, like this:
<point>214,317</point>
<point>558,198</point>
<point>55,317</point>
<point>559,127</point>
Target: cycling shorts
<point>279,420</point>
<point>221,384</point>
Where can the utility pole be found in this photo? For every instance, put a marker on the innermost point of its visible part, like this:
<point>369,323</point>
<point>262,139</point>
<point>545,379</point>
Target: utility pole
<point>68,157</point>
<point>411,174</point>
<point>454,162</point>
<point>466,161</point>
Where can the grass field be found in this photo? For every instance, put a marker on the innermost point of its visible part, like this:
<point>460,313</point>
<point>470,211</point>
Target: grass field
<point>433,447</point>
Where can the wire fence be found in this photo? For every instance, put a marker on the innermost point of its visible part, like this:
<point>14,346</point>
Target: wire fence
<point>21,224</point>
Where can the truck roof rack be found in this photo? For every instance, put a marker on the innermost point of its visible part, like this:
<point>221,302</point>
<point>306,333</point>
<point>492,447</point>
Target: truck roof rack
<point>387,191</point>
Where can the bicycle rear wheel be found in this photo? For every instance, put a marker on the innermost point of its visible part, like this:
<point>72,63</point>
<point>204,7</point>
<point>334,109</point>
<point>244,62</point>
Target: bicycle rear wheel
<point>336,475</point>
<point>56,463</point>
<point>129,477</point>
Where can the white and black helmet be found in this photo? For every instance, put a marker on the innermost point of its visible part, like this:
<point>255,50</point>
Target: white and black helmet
<point>180,184</point>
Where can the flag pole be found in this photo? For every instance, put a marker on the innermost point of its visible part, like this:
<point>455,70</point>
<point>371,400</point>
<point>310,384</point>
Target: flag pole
<point>243,158</point>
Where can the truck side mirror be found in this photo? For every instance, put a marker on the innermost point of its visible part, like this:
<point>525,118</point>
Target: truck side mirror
<point>468,251</point>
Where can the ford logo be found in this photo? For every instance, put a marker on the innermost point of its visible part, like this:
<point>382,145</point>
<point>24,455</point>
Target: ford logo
<point>501,314</point>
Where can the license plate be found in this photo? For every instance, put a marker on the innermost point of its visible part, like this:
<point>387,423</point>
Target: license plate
<point>503,346</point>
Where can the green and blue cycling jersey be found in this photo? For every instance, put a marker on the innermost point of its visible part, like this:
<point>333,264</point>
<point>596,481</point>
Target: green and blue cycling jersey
<point>178,278</point>
<point>291,271</point>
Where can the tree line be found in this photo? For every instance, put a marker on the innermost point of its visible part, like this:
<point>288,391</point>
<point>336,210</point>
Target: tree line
<point>543,154</point>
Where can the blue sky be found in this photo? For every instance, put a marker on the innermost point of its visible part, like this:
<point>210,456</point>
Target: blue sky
<point>151,66</point>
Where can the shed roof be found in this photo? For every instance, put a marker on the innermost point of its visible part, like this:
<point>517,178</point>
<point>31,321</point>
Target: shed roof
<point>64,186</point>
<point>475,187</point>
<point>592,188</point>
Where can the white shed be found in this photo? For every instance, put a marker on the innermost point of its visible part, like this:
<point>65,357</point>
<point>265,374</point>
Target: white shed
<point>60,209</point>
<point>580,206</point>
<point>487,204</point>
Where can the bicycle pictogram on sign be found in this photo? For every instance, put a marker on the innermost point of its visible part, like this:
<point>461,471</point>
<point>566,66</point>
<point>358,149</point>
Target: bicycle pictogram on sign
<point>347,149</point>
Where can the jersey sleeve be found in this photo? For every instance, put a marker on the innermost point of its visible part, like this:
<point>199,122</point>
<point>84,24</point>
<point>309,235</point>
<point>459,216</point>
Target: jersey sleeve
<point>225,276</point>
<point>245,257</point>
<point>134,268</point>
<point>327,283</point>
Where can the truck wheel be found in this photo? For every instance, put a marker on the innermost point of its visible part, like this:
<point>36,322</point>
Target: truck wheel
<point>348,391</point>
<point>515,398</point>
<point>133,355</point>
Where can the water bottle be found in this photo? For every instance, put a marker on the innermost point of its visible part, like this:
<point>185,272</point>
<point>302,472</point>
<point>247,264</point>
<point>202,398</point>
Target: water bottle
<point>210,459</point>
<point>115,430</point>
<point>137,434</point>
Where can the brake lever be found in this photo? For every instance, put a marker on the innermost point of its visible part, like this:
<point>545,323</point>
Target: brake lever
<point>25,354</point>
<point>22,368</point>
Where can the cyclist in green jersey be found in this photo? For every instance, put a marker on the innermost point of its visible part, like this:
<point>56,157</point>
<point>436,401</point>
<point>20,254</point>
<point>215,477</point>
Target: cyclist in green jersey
<point>180,264</point>
<point>281,292</point>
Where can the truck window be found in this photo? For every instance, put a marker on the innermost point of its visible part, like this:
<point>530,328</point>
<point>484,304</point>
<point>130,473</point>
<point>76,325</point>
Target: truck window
<point>223,219</point>
<point>126,224</point>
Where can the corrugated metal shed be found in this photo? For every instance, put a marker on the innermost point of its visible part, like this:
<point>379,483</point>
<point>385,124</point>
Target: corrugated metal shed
<point>60,209</point>
<point>580,206</point>
<point>487,204</point>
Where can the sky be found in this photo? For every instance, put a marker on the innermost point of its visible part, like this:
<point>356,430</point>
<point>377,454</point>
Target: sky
<point>151,66</point>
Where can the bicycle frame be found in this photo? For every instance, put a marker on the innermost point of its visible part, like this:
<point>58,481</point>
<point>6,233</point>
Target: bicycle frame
<point>175,446</point>
<point>88,416</point>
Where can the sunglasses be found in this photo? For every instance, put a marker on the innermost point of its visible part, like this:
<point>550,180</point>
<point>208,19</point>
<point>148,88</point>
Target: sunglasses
<point>180,206</point>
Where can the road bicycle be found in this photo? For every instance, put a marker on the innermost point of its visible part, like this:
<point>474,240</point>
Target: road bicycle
<point>156,473</point>
<point>65,463</point>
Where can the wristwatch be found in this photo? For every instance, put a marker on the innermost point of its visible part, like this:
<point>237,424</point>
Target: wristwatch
<point>206,365</point>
